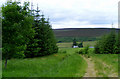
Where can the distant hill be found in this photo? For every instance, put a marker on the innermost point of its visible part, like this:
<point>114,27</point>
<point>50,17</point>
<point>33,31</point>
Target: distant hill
<point>81,32</point>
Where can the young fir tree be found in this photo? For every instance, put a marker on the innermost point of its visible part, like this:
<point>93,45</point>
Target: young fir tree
<point>106,44</point>
<point>44,42</point>
<point>110,42</point>
<point>33,48</point>
<point>16,29</point>
<point>48,42</point>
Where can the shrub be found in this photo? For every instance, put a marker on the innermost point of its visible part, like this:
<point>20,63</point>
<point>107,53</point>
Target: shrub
<point>108,44</point>
<point>84,50</point>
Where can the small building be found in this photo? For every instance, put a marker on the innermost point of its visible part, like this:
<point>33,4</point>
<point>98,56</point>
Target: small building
<point>75,47</point>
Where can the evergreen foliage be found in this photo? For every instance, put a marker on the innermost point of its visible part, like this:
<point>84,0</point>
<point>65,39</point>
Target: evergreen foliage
<point>48,41</point>
<point>117,44</point>
<point>44,42</point>
<point>109,44</point>
<point>33,47</point>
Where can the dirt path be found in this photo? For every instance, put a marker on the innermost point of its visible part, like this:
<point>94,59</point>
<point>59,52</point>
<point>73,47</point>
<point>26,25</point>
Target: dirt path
<point>90,72</point>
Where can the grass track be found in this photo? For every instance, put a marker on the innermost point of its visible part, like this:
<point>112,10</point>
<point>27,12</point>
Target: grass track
<point>106,64</point>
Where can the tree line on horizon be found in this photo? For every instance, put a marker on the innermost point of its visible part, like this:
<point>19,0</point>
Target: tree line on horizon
<point>25,33</point>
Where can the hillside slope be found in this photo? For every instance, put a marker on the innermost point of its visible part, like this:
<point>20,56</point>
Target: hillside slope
<point>81,32</point>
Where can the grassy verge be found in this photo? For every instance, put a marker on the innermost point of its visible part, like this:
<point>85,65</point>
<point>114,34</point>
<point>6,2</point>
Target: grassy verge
<point>57,65</point>
<point>106,64</point>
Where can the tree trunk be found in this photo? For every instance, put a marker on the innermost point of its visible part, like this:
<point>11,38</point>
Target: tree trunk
<point>6,62</point>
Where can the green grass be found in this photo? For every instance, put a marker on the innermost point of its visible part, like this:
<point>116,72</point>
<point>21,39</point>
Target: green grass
<point>65,45</point>
<point>66,63</point>
<point>56,65</point>
<point>106,64</point>
<point>89,43</point>
<point>69,50</point>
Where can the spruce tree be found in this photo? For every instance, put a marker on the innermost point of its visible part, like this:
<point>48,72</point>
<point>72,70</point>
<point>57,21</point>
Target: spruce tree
<point>33,47</point>
<point>109,42</point>
<point>48,42</point>
<point>44,42</point>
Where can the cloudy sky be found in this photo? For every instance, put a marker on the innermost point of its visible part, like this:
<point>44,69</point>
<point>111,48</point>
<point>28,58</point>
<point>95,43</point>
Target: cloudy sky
<point>79,13</point>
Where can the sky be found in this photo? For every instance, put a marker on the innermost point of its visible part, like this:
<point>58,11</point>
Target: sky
<point>79,13</point>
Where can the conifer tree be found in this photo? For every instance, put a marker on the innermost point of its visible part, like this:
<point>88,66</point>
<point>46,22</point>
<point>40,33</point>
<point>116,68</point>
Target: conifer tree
<point>106,44</point>
<point>33,47</point>
<point>48,41</point>
<point>44,42</point>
